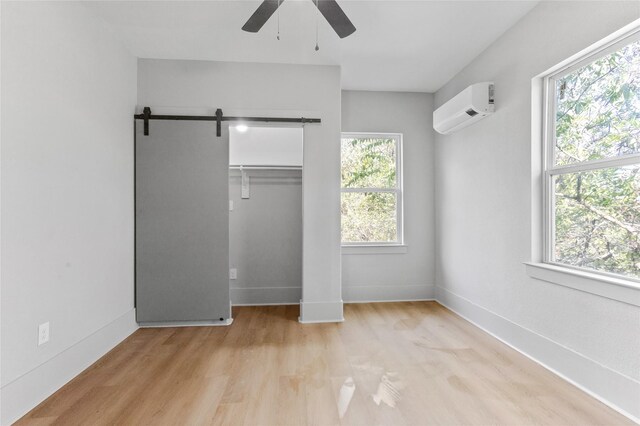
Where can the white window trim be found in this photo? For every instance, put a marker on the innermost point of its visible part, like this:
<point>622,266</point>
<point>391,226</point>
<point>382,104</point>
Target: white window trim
<point>382,249</point>
<point>588,281</point>
<point>613,286</point>
<point>373,247</point>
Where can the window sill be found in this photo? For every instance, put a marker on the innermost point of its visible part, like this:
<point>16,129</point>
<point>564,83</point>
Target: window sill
<point>619,289</point>
<point>382,249</point>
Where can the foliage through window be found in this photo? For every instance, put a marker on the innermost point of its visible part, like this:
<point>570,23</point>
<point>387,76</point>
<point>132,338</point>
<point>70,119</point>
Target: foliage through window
<point>371,202</point>
<point>592,161</point>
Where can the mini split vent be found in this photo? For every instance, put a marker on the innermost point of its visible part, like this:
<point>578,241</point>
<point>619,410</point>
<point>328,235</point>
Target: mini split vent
<point>472,104</point>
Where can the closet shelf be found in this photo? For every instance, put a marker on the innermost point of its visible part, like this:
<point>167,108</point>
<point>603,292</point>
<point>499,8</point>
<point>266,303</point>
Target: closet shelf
<point>265,167</point>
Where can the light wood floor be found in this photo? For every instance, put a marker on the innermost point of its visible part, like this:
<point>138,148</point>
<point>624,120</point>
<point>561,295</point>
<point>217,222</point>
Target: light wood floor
<point>388,363</point>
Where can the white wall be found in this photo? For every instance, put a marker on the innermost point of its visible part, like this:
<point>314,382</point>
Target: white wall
<point>275,90</point>
<point>484,213</point>
<point>266,146</point>
<point>406,274</point>
<point>67,197</point>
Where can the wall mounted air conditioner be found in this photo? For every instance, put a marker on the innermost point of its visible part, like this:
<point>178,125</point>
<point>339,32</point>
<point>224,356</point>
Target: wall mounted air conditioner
<point>472,104</point>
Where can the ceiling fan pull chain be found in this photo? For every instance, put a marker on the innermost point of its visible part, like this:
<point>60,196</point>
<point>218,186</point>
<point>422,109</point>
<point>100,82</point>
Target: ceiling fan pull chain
<point>317,47</point>
<point>278,20</point>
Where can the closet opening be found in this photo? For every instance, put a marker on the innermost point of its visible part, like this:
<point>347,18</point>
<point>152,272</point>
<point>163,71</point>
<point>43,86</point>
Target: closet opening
<point>265,214</point>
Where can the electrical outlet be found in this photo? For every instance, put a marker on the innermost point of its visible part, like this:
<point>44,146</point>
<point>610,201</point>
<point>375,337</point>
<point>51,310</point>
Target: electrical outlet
<point>233,274</point>
<point>230,205</point>
<point>43,333</point>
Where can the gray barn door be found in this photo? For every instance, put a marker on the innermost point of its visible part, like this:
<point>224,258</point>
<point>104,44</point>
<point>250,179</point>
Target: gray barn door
<point>182,223</point>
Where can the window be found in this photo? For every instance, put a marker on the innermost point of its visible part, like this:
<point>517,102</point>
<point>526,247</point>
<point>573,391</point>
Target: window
<point>592,162</point>
<point>371,198</point>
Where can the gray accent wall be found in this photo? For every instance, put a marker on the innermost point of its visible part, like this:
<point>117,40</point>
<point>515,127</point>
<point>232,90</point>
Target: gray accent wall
<point>405,273</point>
<point>266,237</point>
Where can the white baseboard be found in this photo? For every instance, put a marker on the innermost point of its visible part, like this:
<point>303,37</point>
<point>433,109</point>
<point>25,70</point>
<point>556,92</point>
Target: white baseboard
<point>387,293</point>
<point>619,392</point>
<point>356,302</point>
<point>266,296</point>
<point>318,312</point>
<point>252,296</point>
<point>23,394</point>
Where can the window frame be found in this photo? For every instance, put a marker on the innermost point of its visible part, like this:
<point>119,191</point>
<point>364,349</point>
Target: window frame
<point>398,190</point>
<point>550,170</point>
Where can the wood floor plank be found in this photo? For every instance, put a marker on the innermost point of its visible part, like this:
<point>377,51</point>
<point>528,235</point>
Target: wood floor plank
<point>387,364</point>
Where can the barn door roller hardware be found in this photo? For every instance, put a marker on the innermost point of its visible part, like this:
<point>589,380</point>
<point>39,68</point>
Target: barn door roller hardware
<point>218,118</point>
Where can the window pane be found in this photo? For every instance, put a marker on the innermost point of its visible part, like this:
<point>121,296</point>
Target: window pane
<point>597,220</point>
<point>368,217</point>
<point>368,163</point>
<point>598,108</point>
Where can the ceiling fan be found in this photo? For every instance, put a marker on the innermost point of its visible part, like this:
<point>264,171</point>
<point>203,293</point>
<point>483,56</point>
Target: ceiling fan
<point>331,11</point>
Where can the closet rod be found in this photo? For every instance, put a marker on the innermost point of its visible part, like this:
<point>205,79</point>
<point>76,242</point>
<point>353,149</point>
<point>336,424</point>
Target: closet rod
<point>218,118</point>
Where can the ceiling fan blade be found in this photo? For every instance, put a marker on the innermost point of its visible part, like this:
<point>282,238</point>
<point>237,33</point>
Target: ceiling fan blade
<point>261,15</point>
<point>336,17</point>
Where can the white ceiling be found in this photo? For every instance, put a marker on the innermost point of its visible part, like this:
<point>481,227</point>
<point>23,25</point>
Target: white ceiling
<point>398,45</point>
